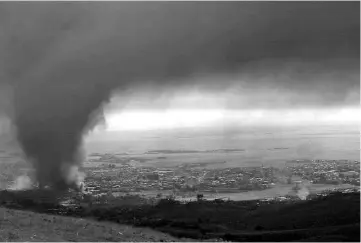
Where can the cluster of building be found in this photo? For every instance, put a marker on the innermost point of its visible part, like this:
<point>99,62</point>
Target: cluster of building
<point>238,179</point>
<point>327,171</point>
<point>120,176</point>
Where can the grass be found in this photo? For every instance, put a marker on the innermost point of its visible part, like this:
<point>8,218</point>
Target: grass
<point>16,225</point>
<point>334,217</point>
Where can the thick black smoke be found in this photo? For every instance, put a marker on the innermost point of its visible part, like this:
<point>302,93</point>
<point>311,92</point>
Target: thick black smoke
<point>64,60</point>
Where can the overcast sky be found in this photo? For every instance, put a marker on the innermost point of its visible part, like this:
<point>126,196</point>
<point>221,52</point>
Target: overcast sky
<point>185,63</point>
<point>67,59</point>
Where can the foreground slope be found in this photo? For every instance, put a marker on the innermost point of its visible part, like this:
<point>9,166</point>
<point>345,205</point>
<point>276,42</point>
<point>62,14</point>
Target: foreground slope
<point>333,217</point>
<point>16,225</point>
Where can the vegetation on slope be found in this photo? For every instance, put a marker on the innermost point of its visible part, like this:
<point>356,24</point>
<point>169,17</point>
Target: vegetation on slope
<point>16,225</point>
<point>332,218</point>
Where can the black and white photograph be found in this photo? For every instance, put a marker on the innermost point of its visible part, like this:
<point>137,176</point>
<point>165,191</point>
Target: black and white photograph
<point>180,121</point>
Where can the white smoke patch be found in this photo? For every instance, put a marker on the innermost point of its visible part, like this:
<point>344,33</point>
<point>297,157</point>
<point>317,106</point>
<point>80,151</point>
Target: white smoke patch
<point>303,193</point>
<point>22,182</point>
<point>310,150</point>
<point>74,177</point>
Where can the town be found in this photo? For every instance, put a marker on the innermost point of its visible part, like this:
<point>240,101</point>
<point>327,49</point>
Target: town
<point>328,171</point>
<point>117,176</point>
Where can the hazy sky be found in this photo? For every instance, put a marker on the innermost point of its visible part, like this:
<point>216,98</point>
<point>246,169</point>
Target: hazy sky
<point>220,63</point>
<point>232,57</point>
<point>288,63</point>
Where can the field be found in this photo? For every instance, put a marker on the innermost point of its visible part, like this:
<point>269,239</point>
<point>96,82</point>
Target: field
<point>20,226</point>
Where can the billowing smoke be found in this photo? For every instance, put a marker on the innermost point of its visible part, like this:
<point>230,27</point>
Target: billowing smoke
<point>303,193</point>
<point>310,150</point>
<point>63,61</point>
<point>73,176</point>
<point>22,182</point>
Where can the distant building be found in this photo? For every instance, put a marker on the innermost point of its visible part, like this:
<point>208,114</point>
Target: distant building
<point>152,176</point>
<point>298,185</point>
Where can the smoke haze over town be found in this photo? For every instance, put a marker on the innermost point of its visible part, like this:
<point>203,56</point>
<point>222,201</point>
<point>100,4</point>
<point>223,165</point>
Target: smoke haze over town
<point>171,65</point>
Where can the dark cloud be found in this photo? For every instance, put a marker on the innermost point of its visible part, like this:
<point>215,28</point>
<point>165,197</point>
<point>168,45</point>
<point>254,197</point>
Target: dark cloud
<point>64,60</point>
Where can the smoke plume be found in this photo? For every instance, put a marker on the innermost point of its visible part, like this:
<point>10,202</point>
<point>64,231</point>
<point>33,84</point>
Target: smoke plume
<point>63,61</point>
<point>303,193</point>
<point>22,182</point>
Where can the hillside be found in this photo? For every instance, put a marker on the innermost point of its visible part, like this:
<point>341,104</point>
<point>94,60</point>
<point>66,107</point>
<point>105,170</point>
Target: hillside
<point>335,217</point>
<point>16,225</point>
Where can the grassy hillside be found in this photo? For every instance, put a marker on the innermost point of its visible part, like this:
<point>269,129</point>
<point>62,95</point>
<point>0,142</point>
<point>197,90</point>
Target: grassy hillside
<point>16,225</point>
<point>336,216</point>
<point>332,218</point>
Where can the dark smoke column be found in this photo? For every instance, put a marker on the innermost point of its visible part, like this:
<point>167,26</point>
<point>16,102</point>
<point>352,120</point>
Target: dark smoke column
<point>51,118</point>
